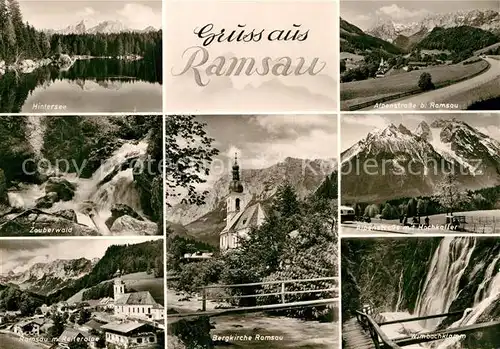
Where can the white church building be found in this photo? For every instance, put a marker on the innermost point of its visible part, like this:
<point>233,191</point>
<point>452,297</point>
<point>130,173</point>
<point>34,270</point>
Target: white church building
<point>241,214</point>
<point>137,305</point>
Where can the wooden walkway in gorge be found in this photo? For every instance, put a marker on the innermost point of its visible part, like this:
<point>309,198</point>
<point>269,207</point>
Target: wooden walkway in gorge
<point>355,337</point>
<point>363,332</point>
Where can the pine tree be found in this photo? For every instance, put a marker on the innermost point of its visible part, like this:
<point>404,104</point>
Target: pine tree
<point>44,44</point>
<point>119,47</point>
<point>19,29</point>
<point>8,32</point>
<point>286,203</point>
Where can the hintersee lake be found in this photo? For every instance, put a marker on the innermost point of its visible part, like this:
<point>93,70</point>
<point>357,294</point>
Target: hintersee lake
<point>90,85</point>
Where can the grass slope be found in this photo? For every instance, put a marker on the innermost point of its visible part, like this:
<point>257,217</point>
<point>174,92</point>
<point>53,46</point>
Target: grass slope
<point>352,93</point>
<point>136,281</point>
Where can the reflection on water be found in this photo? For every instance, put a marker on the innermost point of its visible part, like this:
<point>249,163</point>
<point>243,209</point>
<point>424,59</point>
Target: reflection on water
<point>95,85</point>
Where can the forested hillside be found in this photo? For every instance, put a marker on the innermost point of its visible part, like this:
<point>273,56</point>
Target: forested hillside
<point>458,39</point>
<point>13,299</point>
<point>128,259</point>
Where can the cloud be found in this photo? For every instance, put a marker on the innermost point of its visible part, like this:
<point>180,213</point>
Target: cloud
<point>492,131</point>
<point>86,12</point>
<point>400,13</point>
<point>140,16</point>
<point>317,144</point>
<point>366,120</point>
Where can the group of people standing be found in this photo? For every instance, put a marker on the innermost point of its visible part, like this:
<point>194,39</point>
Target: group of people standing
<point>403,219</point>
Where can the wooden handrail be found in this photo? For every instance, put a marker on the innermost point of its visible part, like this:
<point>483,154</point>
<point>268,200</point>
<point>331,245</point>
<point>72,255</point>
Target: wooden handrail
<point>375,332</point>
<point>258,308</point>
<point>271,294</point>
<point>282,293</point>
<point>272,282</point>
<point>421,318</point>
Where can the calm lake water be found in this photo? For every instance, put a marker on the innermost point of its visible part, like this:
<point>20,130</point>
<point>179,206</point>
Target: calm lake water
<point>95,85</point>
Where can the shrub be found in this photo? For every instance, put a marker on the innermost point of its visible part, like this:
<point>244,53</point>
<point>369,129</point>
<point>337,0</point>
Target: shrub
<point>193,333</point>
<point>195,275</point>
<point>425,82</point>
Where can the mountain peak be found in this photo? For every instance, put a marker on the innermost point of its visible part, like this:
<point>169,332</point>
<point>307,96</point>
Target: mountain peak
<point>424,131</point>
<point>86,26</point>
<point>486,19</point>
<point>404,130</point>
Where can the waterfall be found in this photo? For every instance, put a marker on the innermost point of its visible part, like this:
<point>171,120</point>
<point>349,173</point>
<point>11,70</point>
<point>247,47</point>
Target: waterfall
<point>119,189</point>
<point>112,183</point>
<point>487,294</point>
<point>441,285</point>
<point>400,291</point>
<point>35,130</point>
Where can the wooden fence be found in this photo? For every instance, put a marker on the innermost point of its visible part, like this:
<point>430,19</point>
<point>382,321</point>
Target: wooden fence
<point>483,225</point>
<point>281,292</point>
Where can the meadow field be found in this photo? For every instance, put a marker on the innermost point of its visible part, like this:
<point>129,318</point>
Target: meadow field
<point>357,92</point>
<point>141,281</point>
<point>483,92</point>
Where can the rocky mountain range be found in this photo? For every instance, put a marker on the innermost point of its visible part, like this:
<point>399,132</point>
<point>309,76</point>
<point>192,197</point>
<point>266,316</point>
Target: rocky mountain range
<point>205,222</point>
<point>45,278</point>
<point>105,27</point>
<point>353,39</point>
<point>396,162</point>
<point>391,30</point>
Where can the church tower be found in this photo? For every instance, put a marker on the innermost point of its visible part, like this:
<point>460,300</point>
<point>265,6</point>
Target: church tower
<point>118,287</point>
<point>236,199</point>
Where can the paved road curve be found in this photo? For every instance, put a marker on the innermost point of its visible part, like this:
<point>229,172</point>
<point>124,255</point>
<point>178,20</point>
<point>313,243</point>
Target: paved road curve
<point>425,100</point>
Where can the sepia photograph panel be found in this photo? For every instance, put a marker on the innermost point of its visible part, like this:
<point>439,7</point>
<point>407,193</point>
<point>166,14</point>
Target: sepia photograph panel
<point>425,292</point>
<point>82,293</point>
<point>419,55</point>
<point>80,56</point>
<point>252,243</point>
<point>81,175</point>
<point>429,173</point>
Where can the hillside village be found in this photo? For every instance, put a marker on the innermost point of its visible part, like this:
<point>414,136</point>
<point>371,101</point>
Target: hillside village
<point>128,320</point>
<point>85,308</point>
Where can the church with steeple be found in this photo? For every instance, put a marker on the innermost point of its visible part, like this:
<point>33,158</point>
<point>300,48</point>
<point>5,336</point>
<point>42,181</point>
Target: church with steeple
<point>138,305</point>
<point>241,213</point>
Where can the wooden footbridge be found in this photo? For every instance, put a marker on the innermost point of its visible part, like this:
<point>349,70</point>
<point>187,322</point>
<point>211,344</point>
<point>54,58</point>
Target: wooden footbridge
<point>322,297</point>
<point>363,332</point>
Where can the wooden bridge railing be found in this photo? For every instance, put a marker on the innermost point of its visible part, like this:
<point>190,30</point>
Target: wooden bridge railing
<point>378,337</point>
<point>427,317</point>
<point>282,292</point>
<point>381,340</point>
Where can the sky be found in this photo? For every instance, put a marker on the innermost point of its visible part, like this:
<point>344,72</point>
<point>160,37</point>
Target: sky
<point>19,255</point>
<point>59,14</point>
<point>365,14</point>
<point>356,127</point>
<point>264,140</point>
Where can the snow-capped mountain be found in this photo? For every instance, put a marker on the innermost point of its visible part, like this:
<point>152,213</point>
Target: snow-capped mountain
<point>105,27</point>
<point>389,30</point>
<point>404,163</point>
<point>44,278</point>
<point>206,221</point>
